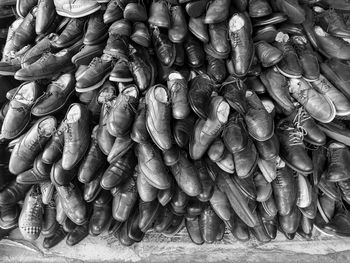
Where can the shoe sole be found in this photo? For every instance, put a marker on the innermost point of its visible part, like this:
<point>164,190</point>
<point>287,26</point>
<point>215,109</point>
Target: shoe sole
<point>288,75</point>
<point>95,86</point>
<point>7,73</point>
<point>294,168</point>
<point>71,15</point>
<point>78,60</point>
<point>116,79</point>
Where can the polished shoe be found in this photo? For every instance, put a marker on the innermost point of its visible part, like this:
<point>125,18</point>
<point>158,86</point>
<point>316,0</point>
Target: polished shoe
<point>196,9</point>
<point>179,202</point>
<point>277,86</point>
<point>24,7</point>
<point>125,197</point>
<point>87,53</point>
<point>93,188</point>
<point>152,166</point>
<point>220,204</point>
<point>96,30</point>
<point>80,8</point>
<point>77,234</point>
<point>47,189</point>
<point>148,213</point>
<point>18,114</point>
<point>114,11</point>
<point>284,189</point>
<point>30,219</point>
<point>54,147</point>
<point>56,96</point>
<point>239,229</point>
<point>141,68</point>
<point>311,100</point>
<point>338,155</point>
<point>146,191</point>
<point>123,109</point>
<point>209,225</point>
<point>70,34</point>
<point>95,75</point>
<point>219,46</point>
<point>268,54</point>
<point>72,203</point>
<point>178,26</point>
<point>216,150</point>
<point>101,215</point>
<point>263,187</point>
<point>164,49</point>
<point>76,135</point>
<point>159,14</point>
<point>240,31</point>
<point>56,238</point>
<point>332,46</point>
<point>265,33</point>
<point>216,69</point>
<point>120,147</point>
<point>119,171</point>
<point>259,8</point>
<point>245,161</point>
<point>25,152</point>
<point>268,150</point>
<point>139,133</point>
<point>199,94</point>
<point>45,16</point>
<point>50,224</point>
<point>307,58</point>
<point>38,174</point>
<point>207,184</point>
<point>25,33</point>
<point>193,230</point>
<point>260,128</point>
<point>217,11</point>
<point>304,198</point>
<point>178,88</point>
<point>198,28</point>
<point>234,134</point>
<point>164,219</point>
<point>341,103</point>
<point>289,66</point>
<point>194,51</point>
<point>141,35</point>
<point>292,148</point>
<point>135,12</point>
<point>289,223</point>
<point>158,116</point>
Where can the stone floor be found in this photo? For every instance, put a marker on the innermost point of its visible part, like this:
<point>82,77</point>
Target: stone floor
<point>157,248</point>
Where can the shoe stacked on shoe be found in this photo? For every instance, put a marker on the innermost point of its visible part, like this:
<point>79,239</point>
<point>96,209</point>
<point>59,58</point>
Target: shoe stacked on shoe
<point>125,116</point>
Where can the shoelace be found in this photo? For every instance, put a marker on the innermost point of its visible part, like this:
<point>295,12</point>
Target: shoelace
<point>235,39</point>
<point>295,135</point>
<point>324,87</point>
<point>45,57</point>
<point>300,118</point>
<point>95,61</point>
<point>41,133</point>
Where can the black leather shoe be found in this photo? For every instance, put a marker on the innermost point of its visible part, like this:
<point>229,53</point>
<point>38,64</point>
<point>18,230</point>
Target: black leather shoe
<point>96,31</point>
<point>193,229</point>
<point>148,213</point>
<point>77,235</point>
<point>56,238</point>
<point>164,49</point>
<point>101,215</point>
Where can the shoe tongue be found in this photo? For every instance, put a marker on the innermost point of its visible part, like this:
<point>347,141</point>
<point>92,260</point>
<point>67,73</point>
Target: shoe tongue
<point>161,94</point>
<point>236,23</point>
<point>26,94</point>
<point>47,127</point>
<point>74,114</point>
<point>336,145</point>
<point>319,31</point>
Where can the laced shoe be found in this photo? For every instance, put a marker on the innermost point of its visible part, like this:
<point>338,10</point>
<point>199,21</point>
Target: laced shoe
<point>141,35</point>
<point>292,148</point>
<point>312,100</point>
<point>217,11</point>
<point>338,156</point>
<point>47,189</point>
<point>159,14</point>
<point>11,61</point>
<point>123,111</point>
<point>77,8</point>
<point>332,22</point>
<point>53,149</point>
<point>290,64</point>
<point>13,193</point>
<point>158,116</point>
<point>268,54</point>
<point>234,133</point>
<point>95,75</point>
<point>38,174</point>
<point>72,32</point>
<point>117,46</point>
<point>76,135</point>
<point>140,68</point>
<point>178,89</point>
<point>242,48</point>
<point>341,103</point>
<point>234,90</point>
<point>30,220</point>
<point>50,224</point>
<point>18,113</point>
<point>216,69</point>
<point>25,33</point>
<point>164,49</point>
<point>121,72</point>
<point>194,51</point>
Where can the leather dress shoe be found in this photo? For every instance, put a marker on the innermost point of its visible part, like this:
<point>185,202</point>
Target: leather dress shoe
<point>101,215</point>
<point>121,72</point>
<point>38,174</point>
<point>104,138</point>
<point>209,225</point>
<point>77,234</point>
<point>70,34</point>
<point>158,116</point>
<point>307,58</point>
<point>146,191</point>
<point>259,8</point>
<point>96,30</point>
<point>9,216</point>
<point>277,87</point>
<point>87,53</point>
<point>292,9</point>
<point>114,11</point>
<point>135,12</point>
<point>268,54</point>
<point>124,199</point>
<point>217,11</point>
<point>182,130</point>
<point>290,64</point>
<point>50,224</point>
<point>292,148</point>
<point>30,219</point>
<point>196,8</point>
<point>311,99</point>
<point>332,21</point>
<point>123,236</point>
<point>339,223</point>
<point>18,114</point>
<point>226,163</point>
<point>216,150</point>
<point>119,171</point>
<point>140,65</point>
<point>47,190</point>
<point>178,29</point>
<point>314,135</point>
<point>338,155</point>
<point>120,147</point>
<point>72,203</point>
<point>175,227</point>
<point>219,46</point>
<point>193,230</point>
<point>133,230</point>
<point>284,189</point>
<point>220,204</point>
<point>194,207</point>
<point>76,10</point>
<point>117,44</point>
<point>165,196</point>
<point>60,176</point>
<point>239,230</point>
<point>263,188</point>
<point>266,33</point>
<point>45,16</point>
<point>164,219</point>
<point>61,215</point>
<point>178,89</point>
<point>76,135</point>
<point>260,232</point>
<point>216,69</point>
<point>92,162</point>
<point>260,128</point>
<point>205,180</point>
<point>240,31</point>
<point>139,133</point>
<point>289,223</point>
<point>11,62</point>
<point>186,176</point>
<point>271,227</point>
<point>13,193</point>
<point>93,188</point>
<point>24,153</point>
<point>159,14</point>
<point>25,33</point>
<point>56,96</point>
<point>141,35</point>
<point>198,28</point>
<point>148,212</point>
<point>332,46</point>
<point>164,48</point>
<point>341,103</point>
<point>179,201</point>
<point>268,150</point>
<point>54,147</point>
<point>247,187</point>
<point>199,94</point>
<point>268,209</point>
<point>194,51</point>
<point>24,7</point>
<point>234,91</point>
<point>56,238</point>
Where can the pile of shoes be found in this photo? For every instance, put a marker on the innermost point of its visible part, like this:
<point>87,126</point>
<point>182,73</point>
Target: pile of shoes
<point>125,116</point>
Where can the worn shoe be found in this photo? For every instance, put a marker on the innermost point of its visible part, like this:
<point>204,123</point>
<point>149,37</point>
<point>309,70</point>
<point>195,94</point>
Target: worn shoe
<point>96,31</point>
<point>332,22</point>
<point>338,155</point>
<point>292,9</point>
<point>164,49</point>
<point>79,8</point>
<point>268,54</point>
<point>114,11</point>
<point>217,11</point>
<point>56,238</point>
<point>87,53</point>
<point>259,8</point>
<point>246,160</point>
<point>159,14</point>
<point>38,174</point>
<point>201,88</point>
<point>25,33</point>
<point>140,34</point>
<point>53,149</point>
<point>177,86</point>
<point>178,29</point>
<point>45,16</point>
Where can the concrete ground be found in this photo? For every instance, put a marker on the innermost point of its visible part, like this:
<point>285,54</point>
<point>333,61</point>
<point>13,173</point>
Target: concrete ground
<point>157,248</point>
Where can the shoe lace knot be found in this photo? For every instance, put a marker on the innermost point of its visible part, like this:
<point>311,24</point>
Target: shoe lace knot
<point>236,39</point>
<point>94,62</point>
